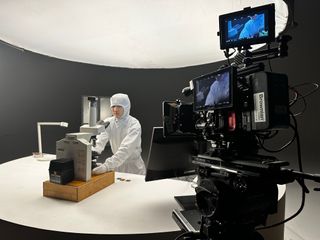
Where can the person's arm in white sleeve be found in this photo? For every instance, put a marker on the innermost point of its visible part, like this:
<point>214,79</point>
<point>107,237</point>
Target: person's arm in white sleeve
<point>101,142</point>
<point>126,148</point>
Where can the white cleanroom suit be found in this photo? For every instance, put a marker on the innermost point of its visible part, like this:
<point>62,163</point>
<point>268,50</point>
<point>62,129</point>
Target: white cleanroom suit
<point>124,134</point>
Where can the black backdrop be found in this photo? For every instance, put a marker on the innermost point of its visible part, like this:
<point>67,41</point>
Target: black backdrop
<point>39,88</point>
<point>36,88</point>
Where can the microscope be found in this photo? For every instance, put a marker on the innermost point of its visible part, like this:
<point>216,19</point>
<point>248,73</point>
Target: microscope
<point>77,146</point>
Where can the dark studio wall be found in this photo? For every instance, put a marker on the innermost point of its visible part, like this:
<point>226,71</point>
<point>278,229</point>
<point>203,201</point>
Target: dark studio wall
<point>37,88</point>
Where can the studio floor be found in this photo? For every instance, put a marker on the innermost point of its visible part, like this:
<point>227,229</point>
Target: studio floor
<point>306,225</point>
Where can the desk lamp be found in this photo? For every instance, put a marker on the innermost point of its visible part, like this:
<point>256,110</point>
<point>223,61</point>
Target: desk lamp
<point>40,155</point>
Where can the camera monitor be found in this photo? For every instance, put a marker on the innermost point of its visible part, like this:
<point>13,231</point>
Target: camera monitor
<point>178,118</point>
<point>247,27</point>
<point>169,157</point>
<point>214,90</point>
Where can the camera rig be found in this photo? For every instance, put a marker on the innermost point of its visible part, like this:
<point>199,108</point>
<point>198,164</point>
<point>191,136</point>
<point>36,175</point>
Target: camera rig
<point>234,110</point>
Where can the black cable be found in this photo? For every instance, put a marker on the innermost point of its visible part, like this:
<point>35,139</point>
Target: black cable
<point>268,134</point>
<point>289,218</point>
<point>294,100</point>
<point>281,148</point>
<point>228,55</point>
<point>304,107</point>
<point>299,96</point>
<point>316,87</point>
<point>300,181</point>
<point>265,135</point>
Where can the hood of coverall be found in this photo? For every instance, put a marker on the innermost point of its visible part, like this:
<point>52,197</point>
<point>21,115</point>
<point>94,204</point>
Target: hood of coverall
<point>121,99</point>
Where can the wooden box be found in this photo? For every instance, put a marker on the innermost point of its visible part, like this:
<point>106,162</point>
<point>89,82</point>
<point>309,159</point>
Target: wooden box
<point>78,190</point>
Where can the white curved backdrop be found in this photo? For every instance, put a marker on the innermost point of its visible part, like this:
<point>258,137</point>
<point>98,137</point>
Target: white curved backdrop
<point>124,33</point>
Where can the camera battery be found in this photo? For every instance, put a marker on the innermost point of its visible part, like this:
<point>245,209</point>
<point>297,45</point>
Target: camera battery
<point>270,97</point>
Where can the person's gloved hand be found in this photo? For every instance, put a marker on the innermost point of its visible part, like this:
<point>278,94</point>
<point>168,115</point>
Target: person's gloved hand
<point>102,168</point>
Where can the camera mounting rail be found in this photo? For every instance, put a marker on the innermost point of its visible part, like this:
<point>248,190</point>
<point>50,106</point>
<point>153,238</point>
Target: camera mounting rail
<point>248,58</point>
<point>255,166</point>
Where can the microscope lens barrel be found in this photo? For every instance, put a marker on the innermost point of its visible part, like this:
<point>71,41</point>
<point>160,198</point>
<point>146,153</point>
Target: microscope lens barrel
<point>93,113</point>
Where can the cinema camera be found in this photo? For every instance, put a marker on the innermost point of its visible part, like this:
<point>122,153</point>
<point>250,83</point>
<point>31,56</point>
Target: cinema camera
<point>234,110</point>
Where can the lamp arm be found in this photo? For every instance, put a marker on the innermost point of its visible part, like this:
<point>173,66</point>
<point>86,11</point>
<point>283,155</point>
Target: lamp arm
<point>39,124</point>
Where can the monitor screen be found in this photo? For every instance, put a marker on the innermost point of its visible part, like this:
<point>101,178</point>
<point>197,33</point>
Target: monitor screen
<point>214,90</point>
<point>169,157</point>
<point>248,27</point>
<point>178,118</point>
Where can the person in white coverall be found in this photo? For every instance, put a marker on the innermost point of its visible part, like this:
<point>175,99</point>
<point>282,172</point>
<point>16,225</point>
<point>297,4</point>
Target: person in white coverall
<point>124,134</point>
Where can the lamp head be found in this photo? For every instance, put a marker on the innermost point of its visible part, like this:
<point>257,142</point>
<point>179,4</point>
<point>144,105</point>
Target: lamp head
<point>64,124</point>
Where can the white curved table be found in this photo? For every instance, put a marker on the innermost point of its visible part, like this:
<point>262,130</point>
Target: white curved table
<point>123,208</point>
<point>134,207</point>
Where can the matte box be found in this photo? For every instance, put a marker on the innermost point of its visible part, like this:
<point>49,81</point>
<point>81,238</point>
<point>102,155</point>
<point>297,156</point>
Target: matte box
<point>78,190</point>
